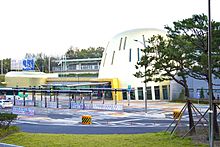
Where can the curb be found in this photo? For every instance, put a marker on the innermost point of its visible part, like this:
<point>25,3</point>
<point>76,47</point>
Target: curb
<point>8,145</point>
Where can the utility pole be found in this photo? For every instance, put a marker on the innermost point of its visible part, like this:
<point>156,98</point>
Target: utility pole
<point>2,67</point>
<point>49,64</point>
<point>145,67</point>
<point>211,142</point>
<point>145,82</point>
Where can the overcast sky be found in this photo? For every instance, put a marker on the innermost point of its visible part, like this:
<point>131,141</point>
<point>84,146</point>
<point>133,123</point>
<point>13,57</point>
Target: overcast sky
<point>52,26</point>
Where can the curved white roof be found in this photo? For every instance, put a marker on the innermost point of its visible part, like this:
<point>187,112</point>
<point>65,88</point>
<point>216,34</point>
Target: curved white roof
<point>26,74</point>
<point>141,31</point>
<point>123,53</point>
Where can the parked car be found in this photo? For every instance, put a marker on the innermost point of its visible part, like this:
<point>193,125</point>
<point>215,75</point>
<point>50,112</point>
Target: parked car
<point>6,104</point>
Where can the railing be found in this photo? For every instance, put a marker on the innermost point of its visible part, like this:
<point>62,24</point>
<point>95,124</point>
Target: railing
<point>75,69</point>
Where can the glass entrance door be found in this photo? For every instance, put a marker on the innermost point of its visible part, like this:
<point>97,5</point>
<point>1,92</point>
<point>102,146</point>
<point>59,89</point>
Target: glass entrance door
<point>165,92</point>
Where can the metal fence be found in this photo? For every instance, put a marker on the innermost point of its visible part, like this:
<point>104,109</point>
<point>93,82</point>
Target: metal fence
<point>67,99</point>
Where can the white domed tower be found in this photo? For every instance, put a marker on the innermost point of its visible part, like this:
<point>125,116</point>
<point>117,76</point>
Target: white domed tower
<point>119,60</point>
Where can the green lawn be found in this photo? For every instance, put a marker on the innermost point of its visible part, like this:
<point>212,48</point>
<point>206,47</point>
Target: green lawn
<point>65,140</point>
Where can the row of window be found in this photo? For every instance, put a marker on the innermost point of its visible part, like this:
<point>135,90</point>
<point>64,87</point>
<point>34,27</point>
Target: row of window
<point>120,44</point>
<point>77,67</point>
<point>130,56</point>
<point>120,47</point>
<point>149,93</point>
<point>138,54</point>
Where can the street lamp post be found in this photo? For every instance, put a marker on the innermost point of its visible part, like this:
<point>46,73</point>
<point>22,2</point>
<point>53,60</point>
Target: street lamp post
<point>145,67</point>
<point>211,143</point>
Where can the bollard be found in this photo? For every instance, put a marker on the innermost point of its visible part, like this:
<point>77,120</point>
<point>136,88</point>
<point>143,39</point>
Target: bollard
<point>70,100</point>
<point>24,98</point>
<point>57,102</point>
<point>14,97</point>
<point>86,119</point>
<point>176,114</point>
<point>34,97</point>
<point>45,102</point>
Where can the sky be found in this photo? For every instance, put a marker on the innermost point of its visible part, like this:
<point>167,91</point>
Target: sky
<point>52,26</point>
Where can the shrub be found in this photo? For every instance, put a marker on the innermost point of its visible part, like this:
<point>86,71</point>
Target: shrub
<point>201,101</point>
<point>6,119</point>
<point>202,93</point>
<point>182,95</point>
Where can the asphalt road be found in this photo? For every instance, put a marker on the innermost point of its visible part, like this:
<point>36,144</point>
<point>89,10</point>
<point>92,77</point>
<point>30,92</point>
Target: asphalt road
<point>119,127</point>
<point>58,129</point>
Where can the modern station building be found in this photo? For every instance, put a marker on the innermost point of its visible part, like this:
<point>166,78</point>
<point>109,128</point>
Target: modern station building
<point>119,60</point>
<point>115,69</point>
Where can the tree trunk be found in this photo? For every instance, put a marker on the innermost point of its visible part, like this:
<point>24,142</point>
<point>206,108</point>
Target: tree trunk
<point>186,91</point>
<point>215,120</point>
<point>189,105</point>
<point>191,121</point>
<point>186,88</point>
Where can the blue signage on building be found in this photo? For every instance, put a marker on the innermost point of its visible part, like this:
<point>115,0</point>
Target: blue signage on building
<point>28,64</point>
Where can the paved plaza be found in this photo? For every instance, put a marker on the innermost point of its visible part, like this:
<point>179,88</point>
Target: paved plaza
<point>133,115</point>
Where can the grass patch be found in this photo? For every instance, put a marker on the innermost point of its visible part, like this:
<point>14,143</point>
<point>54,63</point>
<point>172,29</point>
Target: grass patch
<point>65,140</point>
<point>8,131</point>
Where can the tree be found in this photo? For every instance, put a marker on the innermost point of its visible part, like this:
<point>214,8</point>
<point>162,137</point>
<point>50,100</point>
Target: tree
<point>91,52</point>
<point>167,61</point>
<point>183,53</point>
<point>6,65</point>
<point>194,31</point>
<point>202,93</point>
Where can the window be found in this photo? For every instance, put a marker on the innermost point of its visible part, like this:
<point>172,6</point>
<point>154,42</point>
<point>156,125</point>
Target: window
<point>130,55</point>
<point>140,93</point>
<point>104,59</point>
<point>113,57</point>
<point>120,43</point>
<point>124,95</point>
<point>149,94</point>
<point>132,95</point>
<point>157,92</point>
<point>125,43</point>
